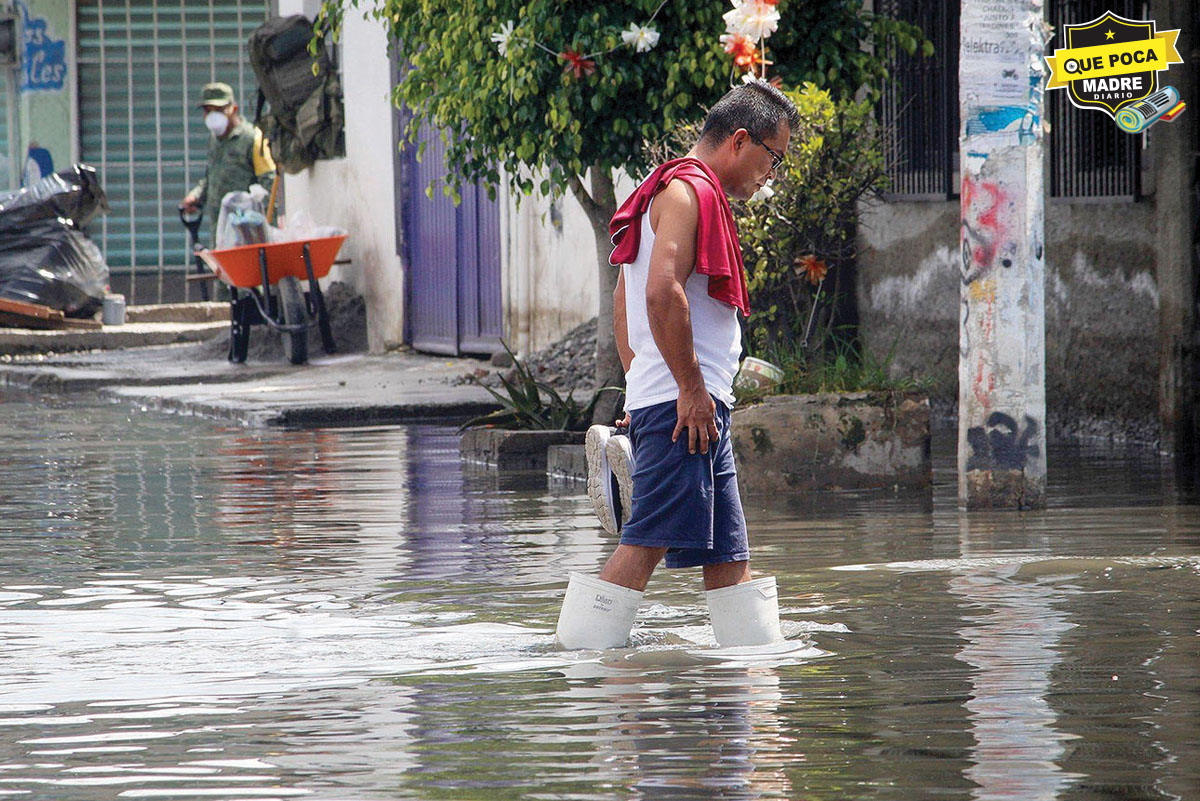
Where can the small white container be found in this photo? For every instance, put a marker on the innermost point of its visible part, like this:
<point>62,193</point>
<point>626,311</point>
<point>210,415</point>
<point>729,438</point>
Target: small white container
<point>757,374</point>
<point>114,310</point>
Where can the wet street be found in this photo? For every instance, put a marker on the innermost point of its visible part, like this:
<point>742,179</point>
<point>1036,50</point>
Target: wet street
<point>190,610</point>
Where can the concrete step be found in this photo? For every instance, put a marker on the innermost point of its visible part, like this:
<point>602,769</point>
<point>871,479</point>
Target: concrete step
<point>23,341</point>
<point>178,313</point>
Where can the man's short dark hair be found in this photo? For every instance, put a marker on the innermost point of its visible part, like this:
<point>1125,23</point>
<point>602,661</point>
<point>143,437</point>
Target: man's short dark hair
<point>758,107</point>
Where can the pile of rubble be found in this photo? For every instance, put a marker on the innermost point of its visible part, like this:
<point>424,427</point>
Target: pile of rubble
<point>569,364</point>
<point>347,318</point>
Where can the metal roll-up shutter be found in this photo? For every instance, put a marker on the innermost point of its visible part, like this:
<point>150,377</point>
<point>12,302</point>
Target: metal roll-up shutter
<point>8,160</point>
<point>142,64</point>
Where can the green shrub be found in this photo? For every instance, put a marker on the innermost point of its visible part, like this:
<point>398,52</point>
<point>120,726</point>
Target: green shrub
<point>840,367</point>
<point>799,246</point>
<point>534,405</point>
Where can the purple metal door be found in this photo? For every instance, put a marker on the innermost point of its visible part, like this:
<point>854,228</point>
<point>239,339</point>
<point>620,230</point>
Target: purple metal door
<point>453,302</point>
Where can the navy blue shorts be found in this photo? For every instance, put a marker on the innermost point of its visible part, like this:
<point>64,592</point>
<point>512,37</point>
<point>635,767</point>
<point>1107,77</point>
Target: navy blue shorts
<point>685,502</point>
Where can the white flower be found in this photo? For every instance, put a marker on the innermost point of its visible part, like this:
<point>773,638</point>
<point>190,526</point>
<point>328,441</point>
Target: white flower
<point>501,37</point>
<point>752,18</point>
<point>640,37</point>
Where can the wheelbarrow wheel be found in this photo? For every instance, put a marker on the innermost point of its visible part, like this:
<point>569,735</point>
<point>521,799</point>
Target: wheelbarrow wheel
<point>295,343</point>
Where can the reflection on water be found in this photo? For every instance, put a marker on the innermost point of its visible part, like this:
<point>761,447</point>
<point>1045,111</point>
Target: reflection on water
<point>190,610</point>
<point>1011,645</point>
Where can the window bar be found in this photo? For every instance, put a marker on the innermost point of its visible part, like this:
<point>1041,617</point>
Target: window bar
<point>103,117</point>
<point>1108,171</point>
<point>187,154</point>
<point>1079,177</point>
<point>1071,143</point>
<point>212,49</point>
<point>1071,134</point>
<point>130,141</point>
<point>1069,146</point>
<point>1056,146</point>
<point>1112,162</point>
<point>1083,143</point>
<point>241,62</point>
<point>158,141</point>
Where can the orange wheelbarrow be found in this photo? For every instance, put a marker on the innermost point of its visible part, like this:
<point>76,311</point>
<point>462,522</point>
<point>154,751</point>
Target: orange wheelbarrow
<point>265,289</point>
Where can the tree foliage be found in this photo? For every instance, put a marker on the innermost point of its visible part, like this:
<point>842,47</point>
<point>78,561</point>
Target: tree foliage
<point>797,245</point>
<point>531,112</point>
<point>527,112</point>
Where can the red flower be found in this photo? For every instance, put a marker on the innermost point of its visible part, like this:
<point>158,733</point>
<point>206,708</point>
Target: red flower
<point>744,53</point>
<point>577,63</point>
<point>812,268</point>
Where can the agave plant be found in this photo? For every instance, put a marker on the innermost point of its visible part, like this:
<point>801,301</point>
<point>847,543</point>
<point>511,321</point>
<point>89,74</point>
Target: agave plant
<point>534,405</point>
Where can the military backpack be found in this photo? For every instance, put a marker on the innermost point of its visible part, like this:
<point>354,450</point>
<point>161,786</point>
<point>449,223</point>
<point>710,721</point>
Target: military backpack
<point>303,121</point>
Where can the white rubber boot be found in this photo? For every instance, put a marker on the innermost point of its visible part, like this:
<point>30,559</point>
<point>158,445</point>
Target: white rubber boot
<point>746,613</point>
<point>596,614</point>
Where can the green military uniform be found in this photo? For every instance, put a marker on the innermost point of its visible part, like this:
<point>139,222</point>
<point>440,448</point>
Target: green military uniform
<point>235,161</point>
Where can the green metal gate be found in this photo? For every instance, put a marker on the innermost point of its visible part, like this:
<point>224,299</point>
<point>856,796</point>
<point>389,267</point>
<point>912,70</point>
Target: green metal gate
<point>141,66</point>
<point>7,165</point>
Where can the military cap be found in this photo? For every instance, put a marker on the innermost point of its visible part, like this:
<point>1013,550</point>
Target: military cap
<point>216,94</point>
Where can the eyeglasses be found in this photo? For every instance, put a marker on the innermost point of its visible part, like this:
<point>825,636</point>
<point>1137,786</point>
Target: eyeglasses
<point>776,156</point>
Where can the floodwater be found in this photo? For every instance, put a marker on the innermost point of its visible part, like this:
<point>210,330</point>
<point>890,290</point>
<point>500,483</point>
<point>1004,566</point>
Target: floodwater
<point>195,611</point>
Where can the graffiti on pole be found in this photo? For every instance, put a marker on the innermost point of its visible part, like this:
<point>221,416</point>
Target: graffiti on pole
<point>1002,444</point>
<point>986,228</point>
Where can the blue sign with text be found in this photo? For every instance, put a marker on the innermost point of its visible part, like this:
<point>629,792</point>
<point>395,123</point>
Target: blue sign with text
<point>44,61</point>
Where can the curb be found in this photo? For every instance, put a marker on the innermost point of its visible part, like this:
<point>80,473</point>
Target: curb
<point>20,342</point>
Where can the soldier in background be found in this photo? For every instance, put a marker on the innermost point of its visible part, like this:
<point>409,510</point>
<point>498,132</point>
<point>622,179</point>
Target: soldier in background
<point>238,155</point>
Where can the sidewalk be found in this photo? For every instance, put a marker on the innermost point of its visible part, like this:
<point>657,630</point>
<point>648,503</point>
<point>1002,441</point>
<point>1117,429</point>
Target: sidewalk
<point>352,389</point>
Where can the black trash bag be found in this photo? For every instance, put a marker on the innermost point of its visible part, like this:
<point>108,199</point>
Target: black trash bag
<point>44,255</point>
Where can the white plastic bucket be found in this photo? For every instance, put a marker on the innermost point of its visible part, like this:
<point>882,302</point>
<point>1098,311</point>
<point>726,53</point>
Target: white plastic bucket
<point>746,613</point>
<point>596,614</point>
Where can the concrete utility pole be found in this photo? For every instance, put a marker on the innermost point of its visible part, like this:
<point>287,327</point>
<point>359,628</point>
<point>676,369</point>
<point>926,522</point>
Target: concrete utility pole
<point>1002,328</point>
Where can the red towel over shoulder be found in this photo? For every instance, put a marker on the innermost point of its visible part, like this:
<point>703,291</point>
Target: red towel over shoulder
<point>718,253</point>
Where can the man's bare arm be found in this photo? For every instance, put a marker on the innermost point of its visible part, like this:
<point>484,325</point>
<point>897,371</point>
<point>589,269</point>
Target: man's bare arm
<point>674,218</point>
<point>620,325</point>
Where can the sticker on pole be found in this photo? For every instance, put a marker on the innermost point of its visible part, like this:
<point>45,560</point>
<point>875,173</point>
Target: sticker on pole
<point>1112,64</point>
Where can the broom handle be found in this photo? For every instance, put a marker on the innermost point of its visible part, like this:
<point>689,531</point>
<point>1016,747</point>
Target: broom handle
<point>271,202</point>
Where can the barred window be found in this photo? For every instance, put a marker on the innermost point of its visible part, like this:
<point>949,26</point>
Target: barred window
<point>1090,156</point>
<point>919,109</point>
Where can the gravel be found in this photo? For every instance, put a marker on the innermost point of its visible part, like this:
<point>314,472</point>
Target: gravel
<point>568,364</point>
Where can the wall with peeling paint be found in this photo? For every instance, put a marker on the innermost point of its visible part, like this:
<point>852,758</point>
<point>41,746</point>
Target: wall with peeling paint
<point>1101,308</point>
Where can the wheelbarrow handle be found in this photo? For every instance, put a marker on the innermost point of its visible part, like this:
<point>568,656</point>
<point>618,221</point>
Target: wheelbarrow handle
<point>191,220</point>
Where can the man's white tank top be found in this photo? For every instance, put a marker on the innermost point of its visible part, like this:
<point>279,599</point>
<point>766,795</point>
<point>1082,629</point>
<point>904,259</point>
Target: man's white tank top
<point>716,335</point>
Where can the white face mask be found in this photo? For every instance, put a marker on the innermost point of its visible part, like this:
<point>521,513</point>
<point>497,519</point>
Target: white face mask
<point>217,122</point>
<point>764,192</point>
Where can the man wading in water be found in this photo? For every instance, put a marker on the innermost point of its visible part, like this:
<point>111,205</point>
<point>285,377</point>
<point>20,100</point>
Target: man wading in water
<point>675,318</point>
